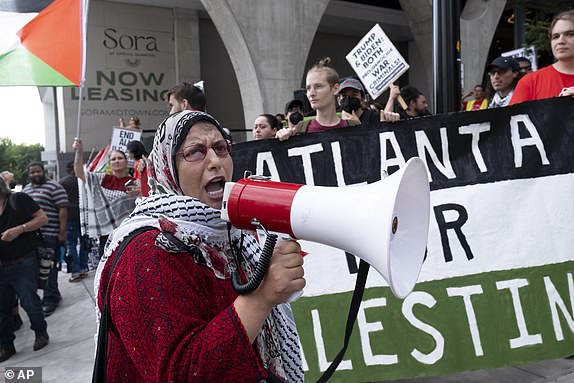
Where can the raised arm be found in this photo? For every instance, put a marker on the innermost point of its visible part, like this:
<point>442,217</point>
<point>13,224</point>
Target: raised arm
<point>394,92</point>
<point>78,146</point>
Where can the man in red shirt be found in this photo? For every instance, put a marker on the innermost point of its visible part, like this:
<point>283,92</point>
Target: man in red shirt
<point>557,79</point>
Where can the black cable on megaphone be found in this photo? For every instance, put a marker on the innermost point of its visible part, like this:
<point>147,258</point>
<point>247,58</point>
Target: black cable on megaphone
<point>260,270</point>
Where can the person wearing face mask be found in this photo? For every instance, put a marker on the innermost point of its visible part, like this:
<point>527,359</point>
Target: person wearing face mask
<point>173,313</point>
<point>322,87</point>
<point>556,80</point>
<point>351,98</point>
<point>110,197</point>
<point>265,126</point>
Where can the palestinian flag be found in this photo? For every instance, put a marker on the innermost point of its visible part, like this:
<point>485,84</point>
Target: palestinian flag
<point>42,42</point>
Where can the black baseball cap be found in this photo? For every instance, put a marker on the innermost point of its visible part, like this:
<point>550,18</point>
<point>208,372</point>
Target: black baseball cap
<point>293,103</point>
<point>503,63</point>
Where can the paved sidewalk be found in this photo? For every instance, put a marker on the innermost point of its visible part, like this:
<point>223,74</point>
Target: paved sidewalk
<point>69,356</point>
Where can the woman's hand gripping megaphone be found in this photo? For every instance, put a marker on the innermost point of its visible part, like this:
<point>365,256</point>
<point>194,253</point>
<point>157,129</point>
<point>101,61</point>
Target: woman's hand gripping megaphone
<point>278,276</point>
<point>277,264</point>
<point>262,236</point>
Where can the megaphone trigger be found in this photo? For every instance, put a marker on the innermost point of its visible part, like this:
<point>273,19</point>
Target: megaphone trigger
<point>261,236</point>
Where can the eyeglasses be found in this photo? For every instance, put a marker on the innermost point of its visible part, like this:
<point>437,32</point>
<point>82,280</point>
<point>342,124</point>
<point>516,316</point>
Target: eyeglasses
<point>197,152</point>
<point>499,71</point>
<point>318,87</point>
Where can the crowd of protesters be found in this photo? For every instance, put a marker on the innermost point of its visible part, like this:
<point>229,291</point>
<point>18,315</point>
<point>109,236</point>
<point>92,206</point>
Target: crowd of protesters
<point>181,176</point>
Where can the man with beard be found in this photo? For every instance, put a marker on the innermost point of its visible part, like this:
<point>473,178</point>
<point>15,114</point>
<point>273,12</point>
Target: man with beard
<point>53,200</point>
<point>416,102</point>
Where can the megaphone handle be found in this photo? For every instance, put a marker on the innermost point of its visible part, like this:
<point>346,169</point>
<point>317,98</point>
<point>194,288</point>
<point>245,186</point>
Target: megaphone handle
<point>262,237</point>
<point>260,269</point>
<point>294,296</point>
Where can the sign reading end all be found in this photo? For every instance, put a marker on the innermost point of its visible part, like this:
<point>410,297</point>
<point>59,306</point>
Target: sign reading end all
<point>376,61</point>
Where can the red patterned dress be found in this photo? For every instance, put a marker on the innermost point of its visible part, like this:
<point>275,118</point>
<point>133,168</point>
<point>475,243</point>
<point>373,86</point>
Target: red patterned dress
<point>162,328</point>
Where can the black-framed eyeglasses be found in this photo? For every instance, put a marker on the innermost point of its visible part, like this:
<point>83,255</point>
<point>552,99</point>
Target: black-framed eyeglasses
<point>197,152</point>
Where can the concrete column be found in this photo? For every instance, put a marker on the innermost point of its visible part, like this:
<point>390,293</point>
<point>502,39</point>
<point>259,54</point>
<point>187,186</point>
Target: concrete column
<point>478,23</point>
<point>419,17</point>
<point>268,42</point>
<point>187,53</point>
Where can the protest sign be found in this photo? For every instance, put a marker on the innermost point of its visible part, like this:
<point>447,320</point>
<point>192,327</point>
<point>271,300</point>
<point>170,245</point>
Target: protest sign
<point>376,61</point>
<point>497,285</point>
<point>121,137</point>
<point>527,52</point>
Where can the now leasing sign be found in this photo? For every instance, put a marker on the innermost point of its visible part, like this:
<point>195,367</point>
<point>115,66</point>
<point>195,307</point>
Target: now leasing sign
<point>497,285</point>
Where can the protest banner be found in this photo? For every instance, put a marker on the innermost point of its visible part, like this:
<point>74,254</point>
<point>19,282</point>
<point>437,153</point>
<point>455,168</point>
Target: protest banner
<point>497,285</point>
<point>376,61</point>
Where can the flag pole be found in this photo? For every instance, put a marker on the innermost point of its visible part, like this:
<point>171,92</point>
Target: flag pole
<point>84,5</point>
<point>78,126</point>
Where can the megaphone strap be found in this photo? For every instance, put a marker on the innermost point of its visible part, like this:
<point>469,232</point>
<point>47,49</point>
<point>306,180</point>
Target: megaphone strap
<point>353,310</point>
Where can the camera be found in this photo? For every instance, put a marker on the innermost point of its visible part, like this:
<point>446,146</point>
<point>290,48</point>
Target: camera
<point>47,257</point>
<point>295,118</point>
<point>349,104</point>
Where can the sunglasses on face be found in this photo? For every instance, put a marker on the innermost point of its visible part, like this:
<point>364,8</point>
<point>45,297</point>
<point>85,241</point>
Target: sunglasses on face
<point>197,152</point>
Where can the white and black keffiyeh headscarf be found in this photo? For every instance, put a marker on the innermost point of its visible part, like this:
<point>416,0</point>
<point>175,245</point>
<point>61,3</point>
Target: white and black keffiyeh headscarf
<point>498,101</point>
<point>201,229</point>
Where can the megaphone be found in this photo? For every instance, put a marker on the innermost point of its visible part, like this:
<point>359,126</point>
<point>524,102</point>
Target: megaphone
<point>384,223</point>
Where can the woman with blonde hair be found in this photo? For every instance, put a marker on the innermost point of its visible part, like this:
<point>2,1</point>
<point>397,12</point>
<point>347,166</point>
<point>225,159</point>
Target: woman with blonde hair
<point>322,85</point>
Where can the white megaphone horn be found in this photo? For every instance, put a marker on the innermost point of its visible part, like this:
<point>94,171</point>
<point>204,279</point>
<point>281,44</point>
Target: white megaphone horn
<point>384,223</point>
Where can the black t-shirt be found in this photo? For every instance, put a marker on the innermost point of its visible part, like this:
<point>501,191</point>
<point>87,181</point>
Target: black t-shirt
<point>25,243</point>
<point>405,116</point>
<point>70,183</point>
<point>369,116</point>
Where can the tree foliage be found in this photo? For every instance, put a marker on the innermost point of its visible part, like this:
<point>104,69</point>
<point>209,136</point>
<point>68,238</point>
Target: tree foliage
<point>16,158</point>
<point>538,21</point>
